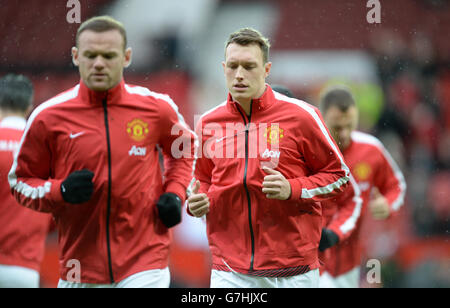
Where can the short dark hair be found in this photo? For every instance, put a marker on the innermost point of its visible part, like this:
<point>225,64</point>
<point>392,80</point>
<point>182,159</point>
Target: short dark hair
<point>102,24</point>
<point>283,90</point>
<point>248,36</point>
<point>339,96</point>
<point>16,93</point>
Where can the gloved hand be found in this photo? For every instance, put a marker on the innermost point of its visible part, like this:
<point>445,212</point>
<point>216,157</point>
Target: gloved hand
<point>78,187</point>
<point>169,209</point>
<point>328,239</point>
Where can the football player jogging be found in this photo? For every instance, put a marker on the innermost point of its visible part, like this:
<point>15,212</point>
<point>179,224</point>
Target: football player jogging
<point>340,214</point>
<point>89,157</point>
<point>22,231</point>
<point>265,161</point>
<point>379,178</point>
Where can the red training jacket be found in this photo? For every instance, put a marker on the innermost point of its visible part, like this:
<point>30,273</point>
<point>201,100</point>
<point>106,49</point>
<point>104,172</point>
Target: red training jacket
<point>341,214</point>
<point>371,165</point>
<point>247,232</point>
<point>115,135</point>
<point>22,231</point>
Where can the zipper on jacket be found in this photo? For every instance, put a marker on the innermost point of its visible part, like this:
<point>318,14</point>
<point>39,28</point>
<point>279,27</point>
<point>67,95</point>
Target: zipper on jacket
<point>108,208</point>
<point>249,203</point>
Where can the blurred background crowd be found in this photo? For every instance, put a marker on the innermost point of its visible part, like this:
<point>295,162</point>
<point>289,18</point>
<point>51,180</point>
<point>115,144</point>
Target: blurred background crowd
<point>399,70</point>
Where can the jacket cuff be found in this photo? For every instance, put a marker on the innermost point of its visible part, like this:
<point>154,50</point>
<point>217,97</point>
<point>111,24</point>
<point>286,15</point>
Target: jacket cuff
<point>338,232</point>
<point>296,189</point>
<point>55,192</point>
<point>177,189</point>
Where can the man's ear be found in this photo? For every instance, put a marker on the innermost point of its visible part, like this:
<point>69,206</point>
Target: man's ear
<point>128,57</point>
<point>75,60</point>
<point>267,68</point>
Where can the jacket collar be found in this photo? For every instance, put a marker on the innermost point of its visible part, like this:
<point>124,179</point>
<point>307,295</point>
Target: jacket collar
<point>113,95</point>
<point>259,104</point>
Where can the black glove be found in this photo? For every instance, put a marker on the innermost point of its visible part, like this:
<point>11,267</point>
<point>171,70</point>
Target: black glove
<point>169,209</point>
<point>78,187</point>
<point>328,239</point>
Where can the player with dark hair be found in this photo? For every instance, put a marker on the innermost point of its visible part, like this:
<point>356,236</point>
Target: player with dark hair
<point>22,231</point>
<point>340,214</point>
<point>380,180</point>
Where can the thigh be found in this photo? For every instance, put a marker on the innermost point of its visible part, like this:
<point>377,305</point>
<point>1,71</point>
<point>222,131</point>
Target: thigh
<point>62,284</point>
<point>326,281</point>
<point>349,279</point>
<point>18,277</point>
<point>307,280</point>
<point>222,279</point>
<point>158,278</point>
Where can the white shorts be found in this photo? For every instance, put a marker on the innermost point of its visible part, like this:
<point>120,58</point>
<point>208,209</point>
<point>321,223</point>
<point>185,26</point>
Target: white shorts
<point>18,277</point>
<point>159,278</point>
<point>222,279</point>
<point>348,280</point>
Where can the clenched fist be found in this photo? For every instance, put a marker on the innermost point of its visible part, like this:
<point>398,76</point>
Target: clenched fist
<point>378,205</point>
<point>275,185</point>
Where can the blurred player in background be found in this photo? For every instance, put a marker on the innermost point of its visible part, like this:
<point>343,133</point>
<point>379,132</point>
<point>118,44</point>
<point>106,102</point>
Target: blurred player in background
<point>340,214</point>
<point>380,180</point>
<point>89,156</point>
<point>22,231</point>
<point>262,205</point>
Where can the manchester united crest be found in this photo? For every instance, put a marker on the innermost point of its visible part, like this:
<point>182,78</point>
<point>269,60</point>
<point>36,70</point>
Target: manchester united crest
<point>137,130</point>
<point>274,134</point>
<point>362,171</point>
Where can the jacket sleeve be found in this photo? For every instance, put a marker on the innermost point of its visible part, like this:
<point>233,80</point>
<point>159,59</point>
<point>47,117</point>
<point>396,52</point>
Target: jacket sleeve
<point>328,172</point>
<point>203,165</point>
<point>177,142</point>
<point>349,206</point>
<point>30,176</point>
<point>389,180</point>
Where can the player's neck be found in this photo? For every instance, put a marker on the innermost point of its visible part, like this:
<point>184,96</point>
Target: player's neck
<point>344,148</point>
<point>246,105</point>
